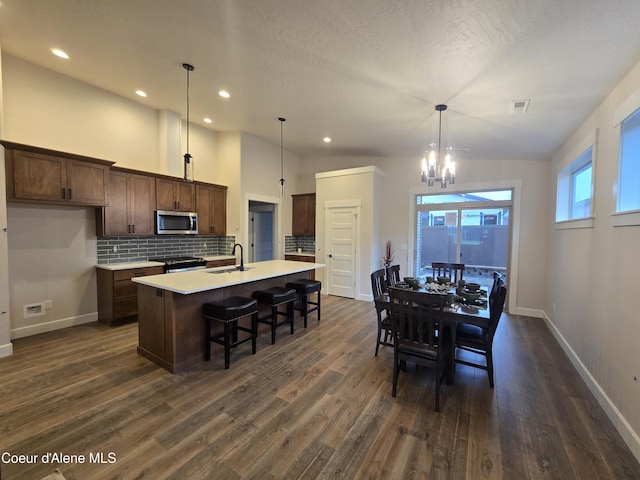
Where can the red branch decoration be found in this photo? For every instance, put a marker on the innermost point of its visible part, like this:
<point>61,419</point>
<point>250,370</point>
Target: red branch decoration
<point>388,255</point>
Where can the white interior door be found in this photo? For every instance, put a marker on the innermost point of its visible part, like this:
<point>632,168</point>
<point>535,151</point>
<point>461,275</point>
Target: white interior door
<point>341,228</point>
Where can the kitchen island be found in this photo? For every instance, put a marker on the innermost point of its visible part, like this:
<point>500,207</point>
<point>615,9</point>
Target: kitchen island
<point>170,323</point>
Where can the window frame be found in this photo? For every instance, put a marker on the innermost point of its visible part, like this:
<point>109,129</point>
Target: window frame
<point>623,162</point>
<point>579,158</point>
<point>623,111</point>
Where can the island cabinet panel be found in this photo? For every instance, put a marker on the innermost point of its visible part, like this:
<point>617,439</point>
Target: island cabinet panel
<point>171,326</point>
<point>303,214</point>
<point>211,205</point>
<point>131,205</point>
<point>118,295</point>
<point>155,326</point>
<point>302,258</point>
<point>175,195</point>
<point>45,176</point>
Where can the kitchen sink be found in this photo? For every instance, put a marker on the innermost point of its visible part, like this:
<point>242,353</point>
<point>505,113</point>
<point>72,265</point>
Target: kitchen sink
<point>230,270</point>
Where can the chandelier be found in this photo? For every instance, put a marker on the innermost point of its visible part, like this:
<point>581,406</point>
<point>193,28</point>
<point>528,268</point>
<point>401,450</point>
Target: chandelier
<point>434,169</point>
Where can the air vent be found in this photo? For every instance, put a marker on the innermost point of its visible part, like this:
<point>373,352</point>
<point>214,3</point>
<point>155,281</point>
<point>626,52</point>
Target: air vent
<point>519,107</point>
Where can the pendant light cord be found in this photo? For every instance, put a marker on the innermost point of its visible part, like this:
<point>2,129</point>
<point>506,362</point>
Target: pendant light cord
<point>282,120</point>
<point>189,112</point>
<point>187,155</point>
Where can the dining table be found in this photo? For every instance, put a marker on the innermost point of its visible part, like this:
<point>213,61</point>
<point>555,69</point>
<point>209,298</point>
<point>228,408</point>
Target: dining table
<point>458,310</point>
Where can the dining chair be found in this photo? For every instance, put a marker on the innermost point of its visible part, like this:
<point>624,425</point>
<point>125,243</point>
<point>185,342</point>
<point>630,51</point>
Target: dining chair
<point>393,275</point>
<point>494,287</point>
<point>444,269</point>
<point>478,339</point>
<point>382,301</point>
<point>415,317</point>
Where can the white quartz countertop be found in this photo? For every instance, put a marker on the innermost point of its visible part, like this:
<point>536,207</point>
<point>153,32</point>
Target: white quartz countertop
<point>143,264</point>
<point>212,278</point>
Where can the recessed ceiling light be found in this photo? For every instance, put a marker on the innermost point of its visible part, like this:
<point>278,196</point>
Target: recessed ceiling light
<point>224,94</point>
<point>141,93</point>
<point>59,53</point>
<point>326,139</point>
<point>207,120</point>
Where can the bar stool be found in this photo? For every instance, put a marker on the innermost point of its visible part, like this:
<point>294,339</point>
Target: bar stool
<point>274,297</point>
<point>305,288</point>
<point>228,312</point>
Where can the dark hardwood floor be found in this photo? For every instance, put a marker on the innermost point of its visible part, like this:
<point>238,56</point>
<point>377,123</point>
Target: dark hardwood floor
<point>317,404</point>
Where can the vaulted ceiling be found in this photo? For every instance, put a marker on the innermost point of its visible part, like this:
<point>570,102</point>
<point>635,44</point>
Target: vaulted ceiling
<point>366,73</point>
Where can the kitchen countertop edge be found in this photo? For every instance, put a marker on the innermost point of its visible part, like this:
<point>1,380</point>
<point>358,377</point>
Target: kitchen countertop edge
<point>146,263</point>
<point>196,281</point>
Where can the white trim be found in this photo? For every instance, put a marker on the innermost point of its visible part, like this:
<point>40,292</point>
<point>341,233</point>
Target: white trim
<point>629,436</point>
<point>6,350</point>
<point>357,205</point>
<point>53,325</point>
<point>350,171</point>
<point>626,108</point>
<point>278,239</point>
<point>625,219</point>
<point>342,203</point>
<point>575,223</point>
<point>516,205</point>
<point>588,141</point>
<point>528,312</point>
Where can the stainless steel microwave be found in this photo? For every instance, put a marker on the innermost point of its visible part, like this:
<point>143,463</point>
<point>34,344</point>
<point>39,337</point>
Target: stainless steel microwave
<point>176,223</point>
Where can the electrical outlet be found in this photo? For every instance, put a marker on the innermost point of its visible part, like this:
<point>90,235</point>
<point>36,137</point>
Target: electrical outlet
<point>48,304</point>
<point>115,248</point>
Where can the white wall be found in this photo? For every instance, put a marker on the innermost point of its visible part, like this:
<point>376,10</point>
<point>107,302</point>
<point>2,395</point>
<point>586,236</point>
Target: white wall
<point>229,173</point>
<point>592,275</point>
<point>6,348</point>
<point>358,185</point>
<point>49,110</point>
<point>261,173</point>
<point>402,176</point>
<point>52,257</point>
<point>53,111</point>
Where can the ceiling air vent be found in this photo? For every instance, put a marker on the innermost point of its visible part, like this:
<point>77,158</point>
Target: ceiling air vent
<point>519,107</point>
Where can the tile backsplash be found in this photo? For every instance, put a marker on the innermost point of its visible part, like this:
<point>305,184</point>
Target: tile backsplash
<point>133,249</point>
<point>307,243</point>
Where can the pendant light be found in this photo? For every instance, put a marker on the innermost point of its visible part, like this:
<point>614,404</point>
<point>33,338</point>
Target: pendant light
<point>282,120</point>
<point>188,167</point>
<point>432,172</point>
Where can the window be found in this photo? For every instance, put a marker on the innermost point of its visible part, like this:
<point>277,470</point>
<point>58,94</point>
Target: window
<point>629,164</point>
<point>575,187</point>
<point>467,227</point>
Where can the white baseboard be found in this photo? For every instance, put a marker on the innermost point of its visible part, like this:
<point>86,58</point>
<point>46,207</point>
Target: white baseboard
<point>529,312</point>
<point>629,436</point>
<point>6,350</point>
<point>53,325</point>
<point>365,297</point>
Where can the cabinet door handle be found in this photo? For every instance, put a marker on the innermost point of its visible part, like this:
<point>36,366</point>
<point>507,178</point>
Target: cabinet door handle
<point>133,229</point>
<point>64,193</point>
<point>69,194</point>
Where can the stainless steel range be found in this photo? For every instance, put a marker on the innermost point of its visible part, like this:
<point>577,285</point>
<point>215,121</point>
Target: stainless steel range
<point>180,264</point>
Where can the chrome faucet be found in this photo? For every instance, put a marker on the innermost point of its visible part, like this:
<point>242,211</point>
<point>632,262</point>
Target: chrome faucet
<point>233,252</point>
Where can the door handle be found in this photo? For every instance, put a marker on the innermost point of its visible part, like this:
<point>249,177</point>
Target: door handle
<point>330,255</point>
